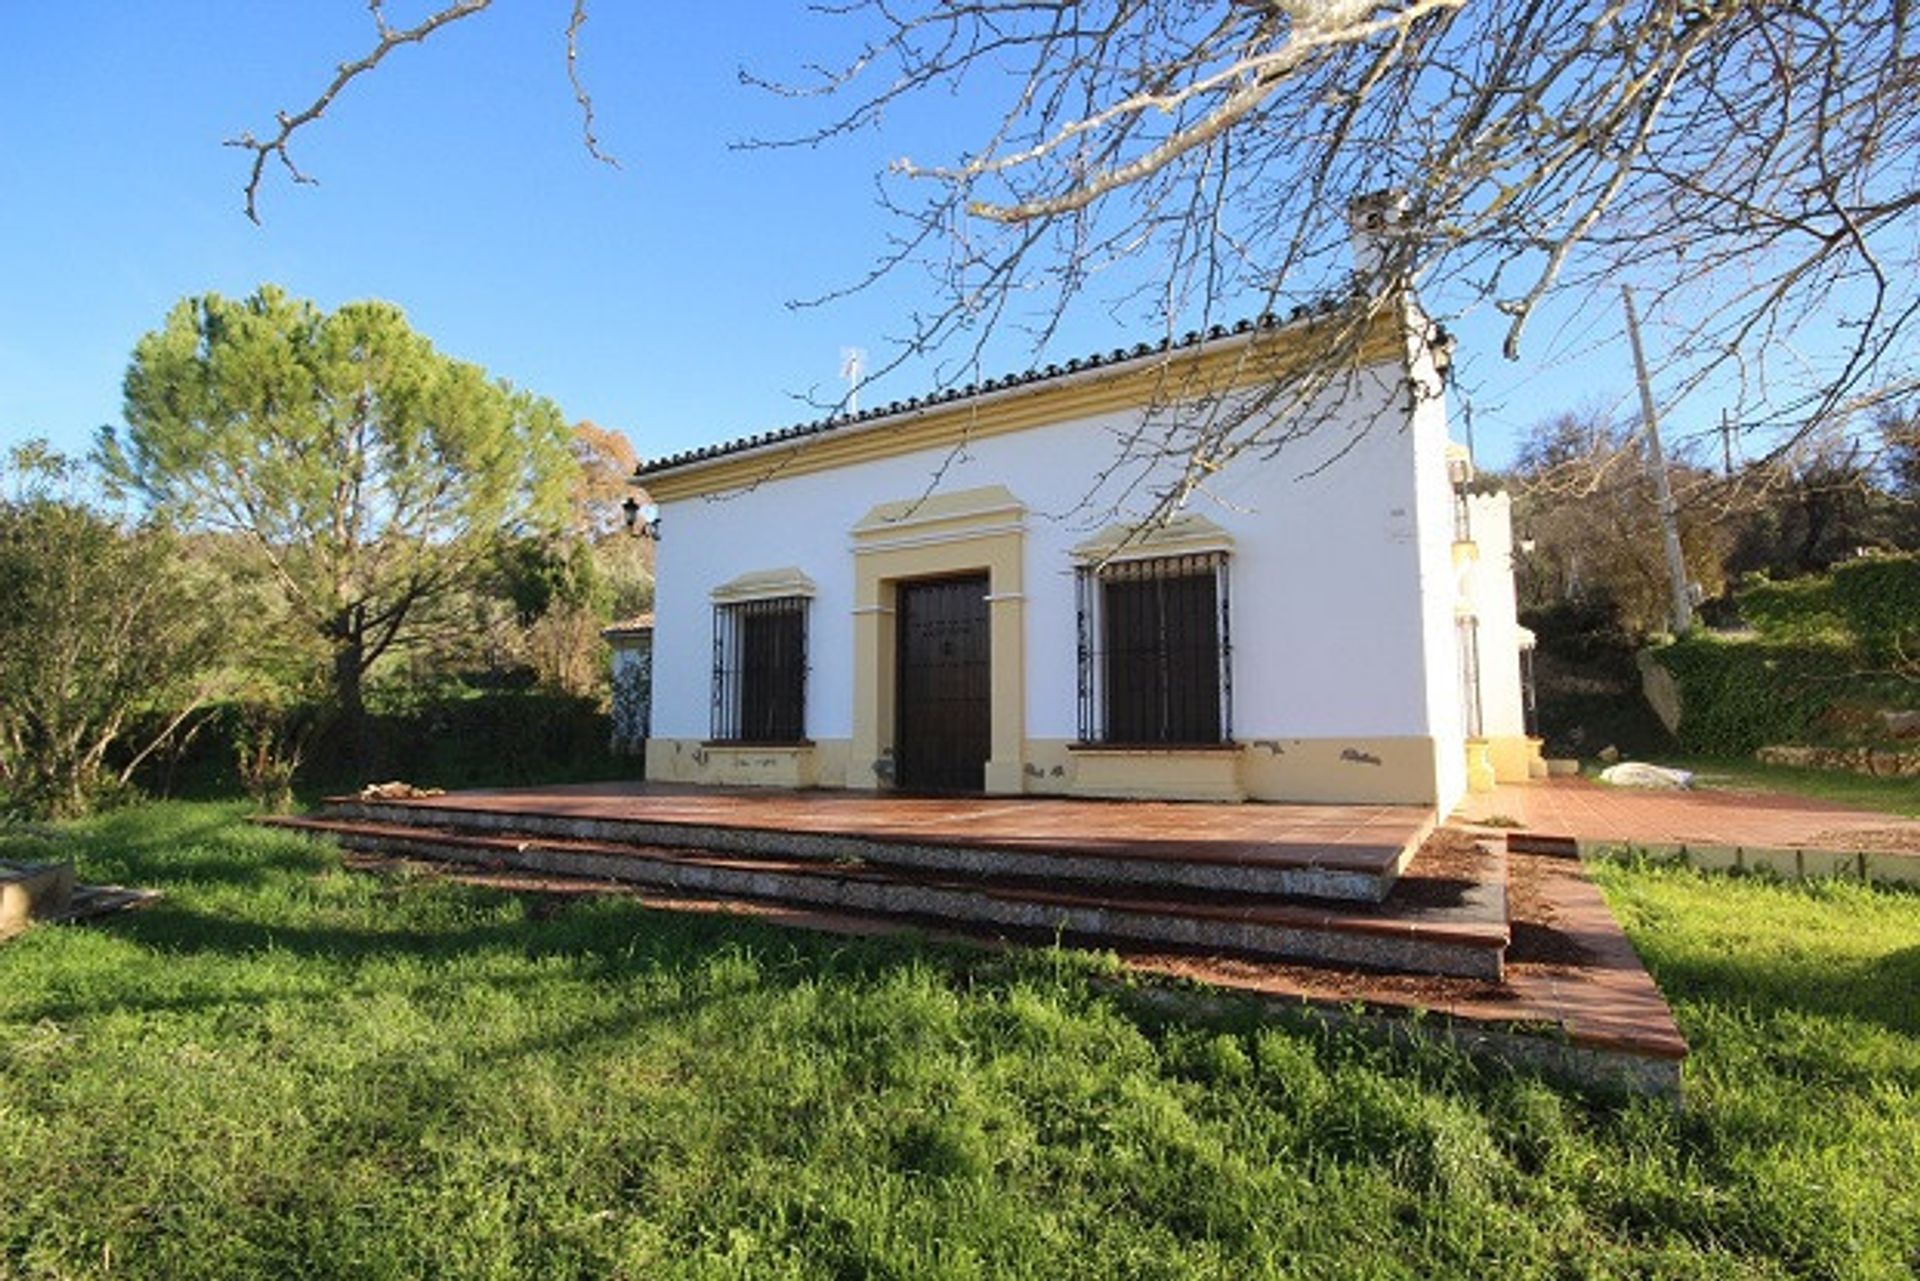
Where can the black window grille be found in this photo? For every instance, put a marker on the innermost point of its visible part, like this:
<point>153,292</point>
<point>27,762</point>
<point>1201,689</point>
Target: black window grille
<point>760,671</point>
<point>1462,515</point>
<point>1467,636</point>
<point>1155,651</point>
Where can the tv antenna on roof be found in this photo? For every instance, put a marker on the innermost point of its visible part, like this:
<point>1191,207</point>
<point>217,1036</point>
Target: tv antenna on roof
<point>853,363</point>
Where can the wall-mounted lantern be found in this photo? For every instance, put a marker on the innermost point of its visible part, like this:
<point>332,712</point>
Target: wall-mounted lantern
<point>643,519</point>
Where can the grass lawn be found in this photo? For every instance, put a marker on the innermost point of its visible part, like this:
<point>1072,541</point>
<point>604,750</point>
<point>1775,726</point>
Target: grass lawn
<point>288,1070</point>
<point>1894,795</point>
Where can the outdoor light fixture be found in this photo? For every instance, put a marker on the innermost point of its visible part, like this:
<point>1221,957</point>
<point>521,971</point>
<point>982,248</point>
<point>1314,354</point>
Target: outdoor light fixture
<point>643,520</point>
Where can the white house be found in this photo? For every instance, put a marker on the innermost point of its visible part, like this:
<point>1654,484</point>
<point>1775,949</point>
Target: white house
<point>954,596</point>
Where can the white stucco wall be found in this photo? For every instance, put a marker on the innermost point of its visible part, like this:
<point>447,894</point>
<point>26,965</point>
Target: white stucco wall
<point>1332,633</point>
<point>1489,585</point>
<point>1436,593</point>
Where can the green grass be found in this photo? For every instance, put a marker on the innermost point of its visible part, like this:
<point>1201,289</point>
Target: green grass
<point>288,1070</point>
<point>1894,795</point>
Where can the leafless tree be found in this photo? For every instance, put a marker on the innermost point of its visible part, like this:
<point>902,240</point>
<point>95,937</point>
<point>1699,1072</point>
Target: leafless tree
<point>1590,522</point>
<point>1749,164</point>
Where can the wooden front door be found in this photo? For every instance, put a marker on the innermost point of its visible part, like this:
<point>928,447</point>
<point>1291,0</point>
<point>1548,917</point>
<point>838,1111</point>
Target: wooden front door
<point>943,722</point>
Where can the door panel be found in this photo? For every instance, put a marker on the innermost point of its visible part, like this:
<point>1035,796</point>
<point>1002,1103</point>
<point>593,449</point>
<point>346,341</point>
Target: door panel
<point>944,725</point>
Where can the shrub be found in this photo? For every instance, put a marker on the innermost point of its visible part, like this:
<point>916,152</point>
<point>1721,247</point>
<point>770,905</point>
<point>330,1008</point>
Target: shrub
<point>1738,695</point>
<point>1793,609</point>
<point>1878,598</point>
<point>108,644</point>
<point>480,739</point>
<point>1819,666</point>
<point>1872,603</point>
<point>524,737</point>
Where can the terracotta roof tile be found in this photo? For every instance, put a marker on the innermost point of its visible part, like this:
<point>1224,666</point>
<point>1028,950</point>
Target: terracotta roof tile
<point>629,626</point>
<point>1078,365</point>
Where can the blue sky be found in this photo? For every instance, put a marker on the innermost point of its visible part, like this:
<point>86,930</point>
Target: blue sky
<point>654,298</point>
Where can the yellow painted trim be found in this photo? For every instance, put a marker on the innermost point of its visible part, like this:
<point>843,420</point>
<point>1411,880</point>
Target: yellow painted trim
<point>975,536</point>
<point>764,584</point>
<point>961,508</point>
<point>1481,776</point>
<point>1375,771</point>
<point>1170,773</point>
<point>1514,757</point>
<point>1465,552</point>
<point>1186,533</point>
<point>1185,374</point>
<point>683,760</point>
<point>1460,469</point>
<point>1354,770</point>
<point>965,514</point>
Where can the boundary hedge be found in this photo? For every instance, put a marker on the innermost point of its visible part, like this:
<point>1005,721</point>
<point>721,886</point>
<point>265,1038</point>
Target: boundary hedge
<point>1823,641</point>
<point>491,739</point>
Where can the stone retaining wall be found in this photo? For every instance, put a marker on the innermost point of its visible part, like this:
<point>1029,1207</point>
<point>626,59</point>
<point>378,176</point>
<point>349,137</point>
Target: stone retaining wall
<point>1875,761</point>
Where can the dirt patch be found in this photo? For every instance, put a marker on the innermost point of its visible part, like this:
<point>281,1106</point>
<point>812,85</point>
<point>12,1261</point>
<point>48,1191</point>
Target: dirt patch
<point>1449,865</point>
<point>1369,988</point>
<point>1451,855</point>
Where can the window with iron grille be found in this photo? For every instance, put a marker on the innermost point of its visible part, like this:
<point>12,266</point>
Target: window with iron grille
<point>1467,637</point>
<point>1154,652</point>
<point>760,671</point>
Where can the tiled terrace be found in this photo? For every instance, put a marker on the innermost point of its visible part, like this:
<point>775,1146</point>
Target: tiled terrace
<point>1584,812</point>
<point>1366,838</point>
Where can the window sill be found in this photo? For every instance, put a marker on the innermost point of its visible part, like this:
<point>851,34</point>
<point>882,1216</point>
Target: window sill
<point>756,745</point>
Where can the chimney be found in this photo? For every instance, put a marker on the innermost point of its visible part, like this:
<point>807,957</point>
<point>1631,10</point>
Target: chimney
<point>1374,222</point>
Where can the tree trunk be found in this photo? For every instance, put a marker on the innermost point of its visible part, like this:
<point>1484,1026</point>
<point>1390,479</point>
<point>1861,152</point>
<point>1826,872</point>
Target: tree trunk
<point>349,666</point>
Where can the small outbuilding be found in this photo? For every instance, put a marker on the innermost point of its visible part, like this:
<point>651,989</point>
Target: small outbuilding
<point>631,640</point>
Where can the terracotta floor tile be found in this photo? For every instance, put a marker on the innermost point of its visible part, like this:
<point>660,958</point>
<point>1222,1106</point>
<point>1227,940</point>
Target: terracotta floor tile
<point>1333,836</point>
<point>1583,810</point>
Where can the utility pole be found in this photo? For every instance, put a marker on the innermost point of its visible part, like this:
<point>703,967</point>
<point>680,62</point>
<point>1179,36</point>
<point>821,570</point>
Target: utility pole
<point>1726,444</point>
<point>1663,491</point>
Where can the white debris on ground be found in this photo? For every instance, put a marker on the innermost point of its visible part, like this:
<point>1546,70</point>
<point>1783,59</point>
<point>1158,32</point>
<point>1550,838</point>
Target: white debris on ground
<point>1640,774</point>
<point>397,791</point>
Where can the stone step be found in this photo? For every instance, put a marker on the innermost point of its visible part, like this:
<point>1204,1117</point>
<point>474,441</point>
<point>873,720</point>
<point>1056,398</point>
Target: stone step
<point>1309,864</point>
<point>1434,925</point>
<point>1538,843</point>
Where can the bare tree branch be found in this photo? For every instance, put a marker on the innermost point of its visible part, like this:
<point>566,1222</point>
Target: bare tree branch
<point>1749,164</point>
<point>390,38</point>
<point>575,21</point>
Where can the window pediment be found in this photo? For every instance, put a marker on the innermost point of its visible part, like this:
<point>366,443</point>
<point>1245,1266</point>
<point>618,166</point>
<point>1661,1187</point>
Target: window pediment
<point>1182,535</point>
<point>764,584</point>
<point>961,511</point>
